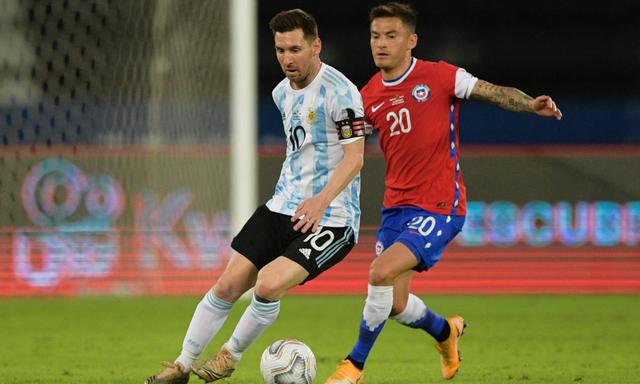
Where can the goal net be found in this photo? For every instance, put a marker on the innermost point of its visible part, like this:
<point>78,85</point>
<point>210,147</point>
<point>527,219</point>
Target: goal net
<point>114,134</point>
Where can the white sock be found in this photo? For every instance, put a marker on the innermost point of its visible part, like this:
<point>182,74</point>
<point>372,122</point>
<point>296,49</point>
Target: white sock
<point>209,316</point>
<point>377,308</point>
<point>414,311</point>
<point>256,318</point>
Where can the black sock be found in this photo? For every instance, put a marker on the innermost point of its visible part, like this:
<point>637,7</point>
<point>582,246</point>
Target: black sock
<point>446,331</point>
<point>263,300</point>
<point>359,365</point>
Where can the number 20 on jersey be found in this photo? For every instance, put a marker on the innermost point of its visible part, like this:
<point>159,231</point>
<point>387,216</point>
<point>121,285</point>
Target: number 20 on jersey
<point>400,122</point>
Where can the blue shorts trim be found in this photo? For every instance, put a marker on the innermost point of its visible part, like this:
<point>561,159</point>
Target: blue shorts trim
<point>425,233</point>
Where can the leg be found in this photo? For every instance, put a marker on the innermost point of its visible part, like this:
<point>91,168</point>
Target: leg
<point>412,311</point>
<point>401,292</point>
<point>238,276</point>
<point>418,238</point>
<point>428,244</point>
<point>211,313</point>
<point>273,281</point>
<point>278,277</point>
<point>325,248</point>
<point>393,263</point>
<point>208,318</point>
<point>409,310</point>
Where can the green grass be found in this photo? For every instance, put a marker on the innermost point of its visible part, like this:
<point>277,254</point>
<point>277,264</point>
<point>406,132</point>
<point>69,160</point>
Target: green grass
<point>510,339</point>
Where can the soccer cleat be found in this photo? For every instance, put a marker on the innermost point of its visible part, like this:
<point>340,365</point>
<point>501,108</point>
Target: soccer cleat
<point>216,367</point>
<point>346,373</point>
<point>449,355</point>
<point>172,374</point>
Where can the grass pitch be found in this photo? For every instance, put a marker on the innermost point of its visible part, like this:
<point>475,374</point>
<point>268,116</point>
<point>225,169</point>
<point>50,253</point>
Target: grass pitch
<point>510,339</point>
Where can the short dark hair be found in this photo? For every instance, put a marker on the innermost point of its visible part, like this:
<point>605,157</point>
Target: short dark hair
<point>404,12</point>
<point>292,19</point>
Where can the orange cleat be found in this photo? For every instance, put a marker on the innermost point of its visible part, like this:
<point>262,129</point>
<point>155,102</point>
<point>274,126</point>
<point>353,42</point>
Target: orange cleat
<point>346,373</point>
<point>449,355</point>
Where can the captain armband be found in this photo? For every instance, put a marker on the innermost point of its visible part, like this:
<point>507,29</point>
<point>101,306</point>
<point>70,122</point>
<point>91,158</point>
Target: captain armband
<point>351,126</point>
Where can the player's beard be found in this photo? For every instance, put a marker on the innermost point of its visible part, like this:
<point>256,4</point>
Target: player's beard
<point>389,63</point>
<point>385,63</point>
<point>298,77</point>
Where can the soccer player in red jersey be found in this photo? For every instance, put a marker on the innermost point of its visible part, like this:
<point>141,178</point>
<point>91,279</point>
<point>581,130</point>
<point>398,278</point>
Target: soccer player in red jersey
<point>414,105</point>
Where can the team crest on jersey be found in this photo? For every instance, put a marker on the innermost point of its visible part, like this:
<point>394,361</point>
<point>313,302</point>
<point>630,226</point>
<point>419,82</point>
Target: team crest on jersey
<point>311,117</point>
<point>421,93</point>
<point>379,248</point>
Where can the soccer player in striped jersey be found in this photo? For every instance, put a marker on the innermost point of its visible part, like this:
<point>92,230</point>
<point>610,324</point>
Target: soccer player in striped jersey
<point>414,106</point>
<point>312,220</point>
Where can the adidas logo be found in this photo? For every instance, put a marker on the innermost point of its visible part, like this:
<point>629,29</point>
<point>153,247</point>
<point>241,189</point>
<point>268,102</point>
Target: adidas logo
<point>306,252</point>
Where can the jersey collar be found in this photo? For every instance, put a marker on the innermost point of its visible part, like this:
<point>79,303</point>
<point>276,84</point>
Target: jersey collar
<point>398,80</point>
<point>314,81</point>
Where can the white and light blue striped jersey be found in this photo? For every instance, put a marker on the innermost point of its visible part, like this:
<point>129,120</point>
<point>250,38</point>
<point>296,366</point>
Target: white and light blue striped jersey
<point>314,147</point>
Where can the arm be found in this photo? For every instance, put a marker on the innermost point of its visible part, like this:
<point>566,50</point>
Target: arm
<point>313,208</point>
<point>514,100</point>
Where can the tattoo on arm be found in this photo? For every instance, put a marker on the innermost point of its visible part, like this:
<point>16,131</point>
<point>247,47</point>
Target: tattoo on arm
<point>509,98</point>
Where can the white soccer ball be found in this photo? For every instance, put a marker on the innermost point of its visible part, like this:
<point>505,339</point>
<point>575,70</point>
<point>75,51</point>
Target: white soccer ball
<point>288,361</point>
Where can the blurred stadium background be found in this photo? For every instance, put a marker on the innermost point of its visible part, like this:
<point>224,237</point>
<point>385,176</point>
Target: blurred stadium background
<point>119,168</point>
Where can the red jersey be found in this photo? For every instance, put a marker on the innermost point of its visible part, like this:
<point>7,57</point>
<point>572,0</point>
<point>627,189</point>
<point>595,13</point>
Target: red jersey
<point>416,117</point>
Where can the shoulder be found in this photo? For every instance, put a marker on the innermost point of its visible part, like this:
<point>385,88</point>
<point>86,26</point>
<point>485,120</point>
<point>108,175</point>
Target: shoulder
<point>440,73</point>
<point>434,66</point>
<point>445,67</point>
<point>341,93</point>
<point>279,89</point>
<point>336,81</point>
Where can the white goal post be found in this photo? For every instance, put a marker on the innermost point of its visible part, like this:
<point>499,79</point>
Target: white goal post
<point>244,109</point>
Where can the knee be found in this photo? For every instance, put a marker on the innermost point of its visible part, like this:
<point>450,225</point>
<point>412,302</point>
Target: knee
<point>380,275</point>
<point>268,288</point>
<point>226,291</point>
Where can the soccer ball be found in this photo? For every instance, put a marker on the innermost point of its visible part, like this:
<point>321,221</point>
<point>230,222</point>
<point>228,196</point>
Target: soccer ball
<point>288,361</point>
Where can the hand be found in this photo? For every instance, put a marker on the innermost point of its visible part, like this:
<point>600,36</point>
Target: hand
<point>309,214</point>
<point>545,106</point>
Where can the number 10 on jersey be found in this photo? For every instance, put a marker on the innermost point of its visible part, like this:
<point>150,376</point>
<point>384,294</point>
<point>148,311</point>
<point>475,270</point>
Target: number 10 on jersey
<point>296,137</point>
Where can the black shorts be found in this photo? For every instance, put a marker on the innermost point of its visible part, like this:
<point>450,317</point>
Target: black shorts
<point>268,235</point>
